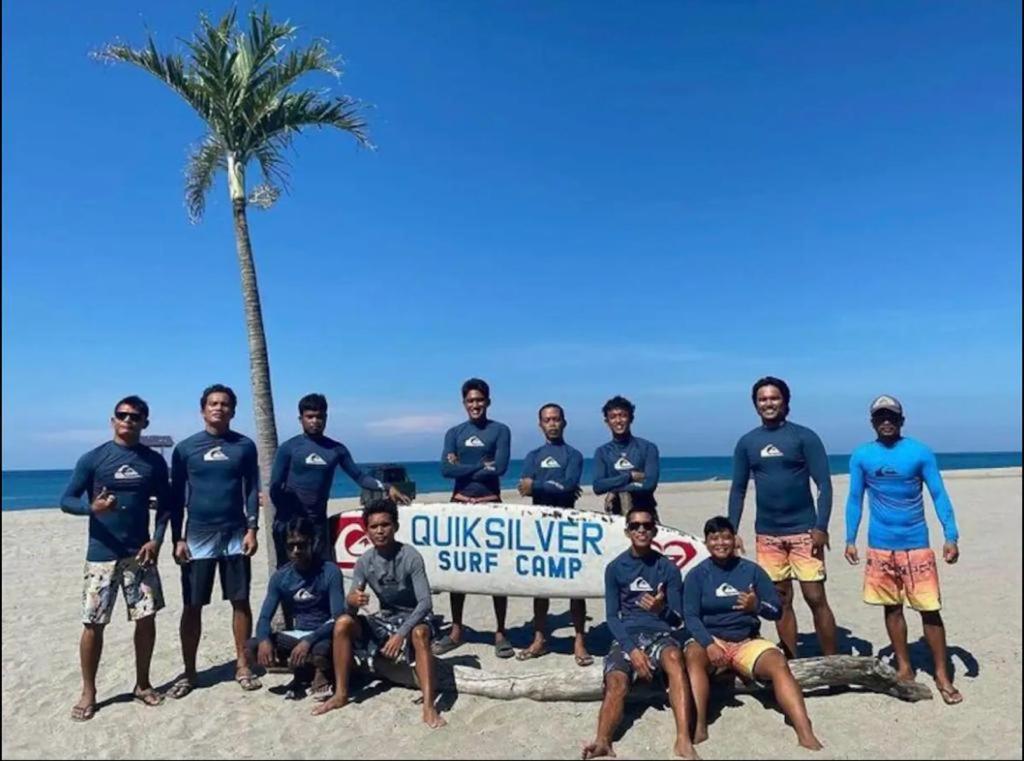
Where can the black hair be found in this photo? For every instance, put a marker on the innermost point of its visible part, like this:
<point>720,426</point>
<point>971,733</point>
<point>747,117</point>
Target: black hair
<point>302,526</point>
<point>771,380</point>
<point>618,403</point>
<point>649,510</point>
<point>475,384</point>
<point>718,523</point>
<point>383,505</point>
<point>558,407</point>
<point>313,403</point>
<point>137,403</point>
<point>218,388</point>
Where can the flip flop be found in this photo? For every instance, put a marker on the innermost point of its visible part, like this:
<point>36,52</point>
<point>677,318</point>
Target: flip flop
<point>444,645</point>
<point>181,688</point>
<point>527,655</point>
<point>323,692</point>
<point>504,649</point>
<point>149,697</point>
<point>584,660</point>
<point>950,695</point>
<point>83,713</point>
<point>248,682</point>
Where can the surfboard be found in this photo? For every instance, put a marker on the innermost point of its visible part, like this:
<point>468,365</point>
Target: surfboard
<point>512,549</point>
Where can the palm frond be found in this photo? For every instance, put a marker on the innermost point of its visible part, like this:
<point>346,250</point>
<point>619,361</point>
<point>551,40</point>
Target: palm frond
<point>169,68</point>
<point>203,162</point>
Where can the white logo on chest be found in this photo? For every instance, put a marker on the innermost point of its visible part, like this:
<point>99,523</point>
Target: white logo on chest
<point>640,584</point>
<point>215,455</point>
<point>772,451</point>
<point>315,459</point>
<point>726,590</point>
<point>126,472</point>
<point>474,441</point>
<point>304,595</point>
<point>623,463</point>
<point>549,462</point>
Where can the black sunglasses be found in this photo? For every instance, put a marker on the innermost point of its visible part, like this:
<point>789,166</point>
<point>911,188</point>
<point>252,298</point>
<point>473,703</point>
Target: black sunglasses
<point>637,525</point>
<point>135,417</point>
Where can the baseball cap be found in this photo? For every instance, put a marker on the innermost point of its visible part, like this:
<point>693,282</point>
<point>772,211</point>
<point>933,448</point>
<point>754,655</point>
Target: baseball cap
<point>884,402</point>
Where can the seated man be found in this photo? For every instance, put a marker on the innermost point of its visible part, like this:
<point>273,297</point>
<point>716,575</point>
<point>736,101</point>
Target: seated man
<point>723,598</point>
<point>310,591</point>
<point>637,585</point>
<point>402,628</point>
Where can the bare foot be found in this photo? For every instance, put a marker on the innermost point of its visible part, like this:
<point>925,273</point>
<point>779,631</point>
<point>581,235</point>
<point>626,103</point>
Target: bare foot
<point>338,701</point>
<point>700,734</point>
<point>684,749</point>
<point>810,742</point>
<point>433,719</point>
<point>598,748</point>
<point>905,674</point>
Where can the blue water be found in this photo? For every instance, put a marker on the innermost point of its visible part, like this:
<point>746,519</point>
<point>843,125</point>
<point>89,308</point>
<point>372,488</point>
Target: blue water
<point>29,489</point>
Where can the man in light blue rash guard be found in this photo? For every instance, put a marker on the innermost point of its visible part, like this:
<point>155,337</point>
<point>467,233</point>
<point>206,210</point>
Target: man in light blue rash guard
<point>215,475</point>
<point>551,476</point>
<point>401,630</point>
<point>791,536</point>
<point>724,598</point>
<point>626,465</point>
<point>300,482</point>
<point>643,601</point>
<point>117,479</point>
<point>475,456</point>
<point>311,592</point>
<point>901,566</point>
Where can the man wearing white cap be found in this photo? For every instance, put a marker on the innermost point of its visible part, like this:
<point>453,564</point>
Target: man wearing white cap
<point>901,566</point>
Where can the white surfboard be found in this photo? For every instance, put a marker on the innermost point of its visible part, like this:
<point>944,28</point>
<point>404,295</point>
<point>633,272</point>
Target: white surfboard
<point>511,549</point>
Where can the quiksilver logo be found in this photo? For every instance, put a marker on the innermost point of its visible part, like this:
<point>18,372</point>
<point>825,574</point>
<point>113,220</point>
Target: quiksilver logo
<point>623,463</point>
<point>126,472</point>
<point>475,441</point>
<point>215,455</point>
<point>549,462</point>
<point>640,584</point>
<point>726,590</point>
<point>771,451</point>
<point>314,459</point>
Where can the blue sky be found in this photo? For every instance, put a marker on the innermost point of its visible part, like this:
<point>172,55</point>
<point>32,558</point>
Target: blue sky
<point>572,200</point>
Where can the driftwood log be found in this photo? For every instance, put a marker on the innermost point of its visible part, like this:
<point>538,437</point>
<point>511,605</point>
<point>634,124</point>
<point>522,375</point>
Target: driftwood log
<point>585,684</point>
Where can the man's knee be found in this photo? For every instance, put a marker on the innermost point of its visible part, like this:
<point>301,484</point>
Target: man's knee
<point>694,655</point>
<point>785,590</point>
<point>814,595</point>
<point>421,635</point>
<point>616,684</point>
<point>241,606</point>
<point>345,626</point>
<point>931,618</point>
<point>671,658</point>
<point>93,630</point>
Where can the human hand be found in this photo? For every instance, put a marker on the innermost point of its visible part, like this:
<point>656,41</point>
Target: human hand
<point>398,497</point>
<point>641,664</point>
<point>452,458</point>
<point>747,601</point>
<point>249,543</point>
<point>950,552</point>
<point>739,549</point>
<point>104,501</point>
<point>851,554</point>
<point>181,553</point>
<point>654,603</point>
<point>525,487</point>
<point>819,540</point>
<point>148,553</point>
<point>299,655</point>
<point>637,476</point>
<point>393,647</point>
<point>265,654</point>
<point>358,598</point>
<point>717,655</point>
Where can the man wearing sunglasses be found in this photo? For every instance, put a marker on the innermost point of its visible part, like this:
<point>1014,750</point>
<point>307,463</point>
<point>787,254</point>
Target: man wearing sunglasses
<point>311,592</point>
<point>300,482</point>
<point>626,465</point>
<point>215,475</point>
<point>901,566</point>
<point>118,478</point>
<point>643,602</point>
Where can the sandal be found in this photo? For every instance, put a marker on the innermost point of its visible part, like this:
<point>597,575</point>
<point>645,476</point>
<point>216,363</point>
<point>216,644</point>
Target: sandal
<point>950,695</point>
<point>444,645</point>
<point>147,697</point>
<point>248,682</point>
<point>83,713</point>
<point>584,660</point>
<point>503,649</point>
<point>323,692</point>
<point>181,688</point>
<point>527,654</point>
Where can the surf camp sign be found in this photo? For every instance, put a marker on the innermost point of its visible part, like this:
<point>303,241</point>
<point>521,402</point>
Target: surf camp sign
<point>510,549</point>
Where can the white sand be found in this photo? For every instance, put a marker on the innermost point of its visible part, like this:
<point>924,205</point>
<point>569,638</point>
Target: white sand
<point>42,561</point>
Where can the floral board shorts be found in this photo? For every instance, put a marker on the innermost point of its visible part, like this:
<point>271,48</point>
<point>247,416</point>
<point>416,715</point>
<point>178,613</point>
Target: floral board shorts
<point>141,586</point>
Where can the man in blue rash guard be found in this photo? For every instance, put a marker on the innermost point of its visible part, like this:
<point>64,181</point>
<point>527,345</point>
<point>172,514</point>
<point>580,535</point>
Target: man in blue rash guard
<point>118,478</point>
<point>900,564</point>
<point>643,602</point>
<point>791,536</point>
<point>475,457</point>
<point>300,482</point>
<point>215,475</point>
<point>551,476</point>
<point>627,464</point>
<point>311,591</point>
<point>724,598</point>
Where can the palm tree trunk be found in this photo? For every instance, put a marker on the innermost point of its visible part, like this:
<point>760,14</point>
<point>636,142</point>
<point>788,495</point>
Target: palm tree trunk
<point>259,372</point>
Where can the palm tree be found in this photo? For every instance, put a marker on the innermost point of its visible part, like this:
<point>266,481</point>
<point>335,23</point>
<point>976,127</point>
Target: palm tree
<point>240,85</point>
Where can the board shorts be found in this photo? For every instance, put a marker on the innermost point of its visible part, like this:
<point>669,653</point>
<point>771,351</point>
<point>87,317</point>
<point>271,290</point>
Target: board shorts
<point>141,587</point>
<point>790,556</point>
<point>742,655</point>
<point>375,629</point>
<point>215,552</point>
<point>898,577</point>
<point>652,644</point>
<point>284,642</point>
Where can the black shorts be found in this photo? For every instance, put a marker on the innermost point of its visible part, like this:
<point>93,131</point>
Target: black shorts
<point>322,544</point>
<point>283,644</point>
<point>235,573</point>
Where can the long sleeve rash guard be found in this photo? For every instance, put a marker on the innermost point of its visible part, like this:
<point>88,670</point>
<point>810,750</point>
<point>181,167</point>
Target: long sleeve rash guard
<point>474,444</point>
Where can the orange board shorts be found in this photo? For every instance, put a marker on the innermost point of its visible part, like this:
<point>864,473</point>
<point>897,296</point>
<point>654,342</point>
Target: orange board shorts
<point>742,655</point>
<point>791,556</point>
<point>898,577</point>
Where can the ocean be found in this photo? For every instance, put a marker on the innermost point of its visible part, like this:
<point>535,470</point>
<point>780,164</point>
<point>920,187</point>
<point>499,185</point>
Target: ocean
<point>34,489</point>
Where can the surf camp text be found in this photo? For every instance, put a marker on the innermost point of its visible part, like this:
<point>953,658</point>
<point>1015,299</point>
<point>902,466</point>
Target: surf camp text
<point>543,547</point>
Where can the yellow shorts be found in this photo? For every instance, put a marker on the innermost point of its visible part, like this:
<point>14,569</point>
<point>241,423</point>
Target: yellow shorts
<point>742,655</point>
<point>791,556</point>
<point>895,577</point>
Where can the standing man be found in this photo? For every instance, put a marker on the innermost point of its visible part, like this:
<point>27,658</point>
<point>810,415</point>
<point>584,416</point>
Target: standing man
<point>551,475</point>
<point>901,565</point>
<point>476,456</point>
<point>215,474</point>
<point>118,478</point>
<point>627,464</point>
<point>791,536</point>
<point>300,483</point>
<point>643,601</point>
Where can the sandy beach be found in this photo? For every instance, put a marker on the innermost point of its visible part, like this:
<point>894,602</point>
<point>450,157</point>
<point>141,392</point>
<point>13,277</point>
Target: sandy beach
<point>43,552</point>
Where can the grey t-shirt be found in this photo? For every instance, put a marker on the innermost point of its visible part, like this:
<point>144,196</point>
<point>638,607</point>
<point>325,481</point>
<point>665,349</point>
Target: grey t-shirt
<point>399,581</point>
